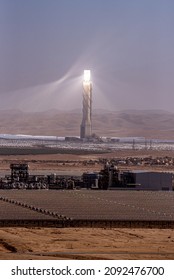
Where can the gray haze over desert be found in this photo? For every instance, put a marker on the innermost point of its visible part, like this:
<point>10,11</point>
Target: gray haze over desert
<point>151,124</point>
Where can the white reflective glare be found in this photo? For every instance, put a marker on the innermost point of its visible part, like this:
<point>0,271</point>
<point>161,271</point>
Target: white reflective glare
<point>87,75</point>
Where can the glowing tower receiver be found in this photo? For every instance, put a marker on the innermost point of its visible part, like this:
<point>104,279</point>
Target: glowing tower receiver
<point>85,129</point>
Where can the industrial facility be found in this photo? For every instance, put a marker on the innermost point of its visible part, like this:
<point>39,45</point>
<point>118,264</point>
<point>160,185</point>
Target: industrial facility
<point>109,178</point>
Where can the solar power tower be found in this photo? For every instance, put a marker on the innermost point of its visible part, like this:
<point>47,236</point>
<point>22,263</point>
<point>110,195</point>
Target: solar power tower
<point>86,129</point>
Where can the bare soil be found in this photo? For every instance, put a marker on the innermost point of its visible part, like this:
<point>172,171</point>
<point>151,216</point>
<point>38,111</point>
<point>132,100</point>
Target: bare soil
<point>86,243</point>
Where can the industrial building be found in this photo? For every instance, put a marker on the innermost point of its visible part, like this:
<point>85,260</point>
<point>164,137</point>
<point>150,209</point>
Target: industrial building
<point>145,180</point>
<point>110,177</point>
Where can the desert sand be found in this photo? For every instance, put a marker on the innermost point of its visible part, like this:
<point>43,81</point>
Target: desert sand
<point>86,243</point>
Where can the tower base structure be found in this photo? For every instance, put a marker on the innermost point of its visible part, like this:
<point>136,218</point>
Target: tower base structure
<point>85,131</point>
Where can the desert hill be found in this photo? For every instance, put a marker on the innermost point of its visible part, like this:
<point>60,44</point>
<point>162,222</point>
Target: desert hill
<point>131,123</point>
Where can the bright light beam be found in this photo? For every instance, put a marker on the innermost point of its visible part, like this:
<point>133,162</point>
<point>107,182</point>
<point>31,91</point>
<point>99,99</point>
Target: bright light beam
<point>87,75</point>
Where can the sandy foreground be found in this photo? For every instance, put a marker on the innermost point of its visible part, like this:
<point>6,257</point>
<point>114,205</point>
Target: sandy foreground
<point>86,243</point>
<point>82,243</point>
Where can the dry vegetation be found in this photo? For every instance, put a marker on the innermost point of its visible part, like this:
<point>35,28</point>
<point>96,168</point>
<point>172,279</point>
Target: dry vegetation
<point>77,162</point>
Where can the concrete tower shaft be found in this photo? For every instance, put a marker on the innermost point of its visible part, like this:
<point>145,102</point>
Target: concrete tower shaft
<point>86,130</point>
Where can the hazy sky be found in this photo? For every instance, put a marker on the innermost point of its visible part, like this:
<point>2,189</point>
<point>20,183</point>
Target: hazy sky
<point>46,44</point>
